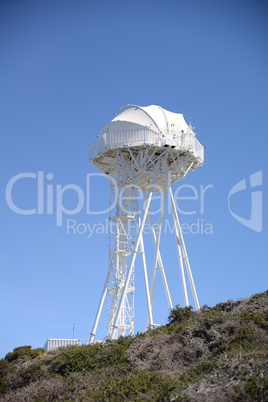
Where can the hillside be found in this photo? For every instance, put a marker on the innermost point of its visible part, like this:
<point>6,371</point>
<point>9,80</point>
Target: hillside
<point>218,353</point>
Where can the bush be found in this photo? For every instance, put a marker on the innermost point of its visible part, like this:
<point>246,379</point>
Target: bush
<point>88,357</point>
<point>24,352</point>
<point>244,336</point>
<point>216,346</point>
<point>77,358</point>
<point>257,297</point>
<point>257,388</point>
<point>142,385</point>
<point>180,314</point>
<point>197,371</point>
<point>260,319</point>
<point>3,372</point>
<point>30,374</point>
<point>114,354</point>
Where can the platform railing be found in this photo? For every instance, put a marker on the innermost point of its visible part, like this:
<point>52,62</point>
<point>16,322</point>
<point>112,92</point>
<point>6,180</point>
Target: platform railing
<point>118,139</point>
<point>53,344</point>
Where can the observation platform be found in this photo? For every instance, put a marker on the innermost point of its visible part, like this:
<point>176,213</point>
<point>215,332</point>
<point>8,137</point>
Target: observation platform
<point>154,129</point>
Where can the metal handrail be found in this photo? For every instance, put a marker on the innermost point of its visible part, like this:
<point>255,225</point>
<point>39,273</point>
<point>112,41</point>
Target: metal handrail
<point>117,139</point>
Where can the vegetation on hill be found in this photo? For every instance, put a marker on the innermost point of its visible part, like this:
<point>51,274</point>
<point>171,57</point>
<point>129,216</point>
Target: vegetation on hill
<point>218,353</point>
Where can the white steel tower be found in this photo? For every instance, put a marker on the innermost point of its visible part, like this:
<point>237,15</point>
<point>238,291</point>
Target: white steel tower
<point>141,151</point>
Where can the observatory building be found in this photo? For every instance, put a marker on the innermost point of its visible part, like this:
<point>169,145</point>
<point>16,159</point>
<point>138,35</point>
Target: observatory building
<point>141,151</point>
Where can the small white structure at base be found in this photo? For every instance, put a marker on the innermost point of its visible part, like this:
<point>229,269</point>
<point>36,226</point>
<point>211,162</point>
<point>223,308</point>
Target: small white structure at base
<point>53,344</point>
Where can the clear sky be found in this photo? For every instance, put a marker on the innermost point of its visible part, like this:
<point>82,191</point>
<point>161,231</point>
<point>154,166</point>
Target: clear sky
<point>65,68</point>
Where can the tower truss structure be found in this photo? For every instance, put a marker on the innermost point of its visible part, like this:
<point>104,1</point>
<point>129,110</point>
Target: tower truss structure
<point>141,158</point>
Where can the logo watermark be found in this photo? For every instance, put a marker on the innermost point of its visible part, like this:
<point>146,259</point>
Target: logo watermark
<point>51,198</point>
<point>73,227</point>
<point>255,220</point>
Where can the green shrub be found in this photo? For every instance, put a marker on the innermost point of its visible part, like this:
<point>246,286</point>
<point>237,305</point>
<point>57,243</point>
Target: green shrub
<point>180,314</point>
<point>260,319</point>
<point>244,336</point>
<point>142,385</point>
<point>198,370</point>
<point>102,372</point>
<point>258,296</point>
<point>3,372</point>
<point>156,364</point>
<point>114,354</point>
<point>77,358</point>
<point>174,328</point>
<point>219,307</point>
<point>24,352</point>
<point>32,373</point>
<point>257,388</point>
<point>205,307</point>
<point>213,315</point>
<point>88,357</point>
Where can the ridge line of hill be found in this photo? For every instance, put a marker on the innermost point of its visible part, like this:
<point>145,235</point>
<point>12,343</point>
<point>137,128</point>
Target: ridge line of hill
<point>218,353</point>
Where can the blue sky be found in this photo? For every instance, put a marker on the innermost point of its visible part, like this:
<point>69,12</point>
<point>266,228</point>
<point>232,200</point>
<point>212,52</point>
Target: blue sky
<point>66,68</point>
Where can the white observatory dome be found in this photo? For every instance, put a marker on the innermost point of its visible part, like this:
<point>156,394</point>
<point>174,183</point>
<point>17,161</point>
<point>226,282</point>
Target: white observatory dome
<point>153,131</point>
<point>153,117</point>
